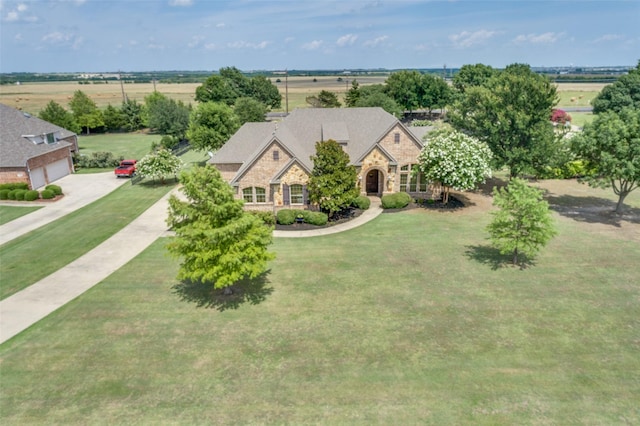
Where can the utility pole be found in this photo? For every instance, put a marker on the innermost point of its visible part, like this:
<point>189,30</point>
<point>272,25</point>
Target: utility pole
<point>124,98</point>
<point>286,91</point>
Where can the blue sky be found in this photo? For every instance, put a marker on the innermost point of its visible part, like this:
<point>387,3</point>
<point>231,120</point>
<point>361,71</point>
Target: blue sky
<point>111,35</point>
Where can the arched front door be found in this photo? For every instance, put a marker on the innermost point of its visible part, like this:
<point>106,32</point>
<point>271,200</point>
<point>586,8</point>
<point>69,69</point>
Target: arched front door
<point>373,182</point>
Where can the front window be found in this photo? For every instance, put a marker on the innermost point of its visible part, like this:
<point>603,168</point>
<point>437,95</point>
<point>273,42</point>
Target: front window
<point>261,195</point>
<point>254,195</point>
<point>412,181</point>
<point>247,195</point>
<point>295,194</point>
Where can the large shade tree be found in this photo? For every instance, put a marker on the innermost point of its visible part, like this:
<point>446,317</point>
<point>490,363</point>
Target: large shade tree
<point>230,84</point>
<point>166,116</point>
<point>455,161</point>
<point>623,93</point>
<point>56,114</point>
<point>211,125</point>
<point>85,111</point>
<point>611,147</point>
<point>510,112</point>
<point>332,184</point>
<point>217,242</point>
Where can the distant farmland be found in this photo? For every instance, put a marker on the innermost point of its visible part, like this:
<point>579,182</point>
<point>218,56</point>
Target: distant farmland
<point>33,97</point>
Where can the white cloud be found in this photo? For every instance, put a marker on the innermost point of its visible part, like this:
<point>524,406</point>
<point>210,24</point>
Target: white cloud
<point>544,38</point>
<point>347,40</point>
<point>57,37</point>
<point>312,45</point>
<point>608,37</point>
<point>180,2</point>
<point>210,46</point>
<point>467,38</point>
<point>376,41</point>
<point>221,25</point>
<point>246,45</point>
<point>289,39</point>
<point>19,14</point>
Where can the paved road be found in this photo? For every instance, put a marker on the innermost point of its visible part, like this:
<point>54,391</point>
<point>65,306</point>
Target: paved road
<point>79,190</point>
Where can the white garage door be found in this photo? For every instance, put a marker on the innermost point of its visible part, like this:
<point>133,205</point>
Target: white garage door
<point>37,178</point>
<point>57,170</point>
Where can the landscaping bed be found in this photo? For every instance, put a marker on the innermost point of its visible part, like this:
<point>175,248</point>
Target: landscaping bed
<point>352,214</point>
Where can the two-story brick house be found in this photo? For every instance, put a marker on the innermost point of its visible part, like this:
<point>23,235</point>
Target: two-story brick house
<point>269,163</point>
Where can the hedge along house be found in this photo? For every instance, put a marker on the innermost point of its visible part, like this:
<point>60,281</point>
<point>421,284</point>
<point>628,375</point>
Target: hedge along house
<point>269,163</point>
<point>33,150</point>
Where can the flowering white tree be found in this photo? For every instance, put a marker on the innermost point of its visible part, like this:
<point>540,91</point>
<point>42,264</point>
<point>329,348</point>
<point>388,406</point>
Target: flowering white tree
<point>159,164</point>
<point>454,160</point>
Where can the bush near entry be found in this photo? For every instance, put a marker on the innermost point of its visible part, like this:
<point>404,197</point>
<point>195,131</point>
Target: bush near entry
<point>362,202</point>
<point>398,200</point>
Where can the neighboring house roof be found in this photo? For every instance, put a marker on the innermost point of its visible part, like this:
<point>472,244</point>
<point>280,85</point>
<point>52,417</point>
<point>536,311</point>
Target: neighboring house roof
<point>357,129</point>
<point>16,148</point>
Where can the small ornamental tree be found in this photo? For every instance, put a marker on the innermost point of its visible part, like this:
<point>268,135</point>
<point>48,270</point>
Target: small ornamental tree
<point>523,225</point>
<point>560,116</point>
<point>454,160</point>
<point>611,147</point>
<point>332,184</point>
<point>217,241</point>
<point>159,164</point>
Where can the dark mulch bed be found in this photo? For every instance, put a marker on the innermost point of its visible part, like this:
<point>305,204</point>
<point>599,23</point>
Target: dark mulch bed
<point>345,217</point>
<point>453,204</point>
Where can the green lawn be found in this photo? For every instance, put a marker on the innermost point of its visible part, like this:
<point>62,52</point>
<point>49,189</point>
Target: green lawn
<point>9,213</point>
<point>581,118</point>
<point>33,256</point>
<point>409,319</point>
<point>128,145</point>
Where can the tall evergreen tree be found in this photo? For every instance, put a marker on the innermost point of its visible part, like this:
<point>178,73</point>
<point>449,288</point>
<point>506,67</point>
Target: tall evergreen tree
<point>332,184</point>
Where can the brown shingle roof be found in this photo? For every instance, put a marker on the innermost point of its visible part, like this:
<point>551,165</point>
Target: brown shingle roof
<point>359,128</point>
<point>15,149</point>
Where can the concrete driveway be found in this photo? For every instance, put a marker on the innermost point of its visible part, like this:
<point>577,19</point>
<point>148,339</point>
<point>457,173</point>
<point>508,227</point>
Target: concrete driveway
<point>79,190</point>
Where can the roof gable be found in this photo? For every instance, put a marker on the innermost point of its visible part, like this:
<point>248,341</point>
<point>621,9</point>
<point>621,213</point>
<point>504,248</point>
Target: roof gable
<point>23,136</point>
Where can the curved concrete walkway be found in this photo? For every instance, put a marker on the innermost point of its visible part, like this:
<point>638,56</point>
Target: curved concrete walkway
<point>25,308</point>
<point>79,190</point>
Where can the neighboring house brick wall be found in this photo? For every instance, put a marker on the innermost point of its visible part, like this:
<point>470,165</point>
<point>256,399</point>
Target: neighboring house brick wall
<point>14,175</point>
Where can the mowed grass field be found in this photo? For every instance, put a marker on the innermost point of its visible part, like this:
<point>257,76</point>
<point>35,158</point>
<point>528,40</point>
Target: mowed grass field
<point>33,97</point>
<point>409,319</point>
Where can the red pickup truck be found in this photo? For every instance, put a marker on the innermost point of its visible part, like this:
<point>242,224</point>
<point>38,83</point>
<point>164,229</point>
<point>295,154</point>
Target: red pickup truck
<point>127,168</point>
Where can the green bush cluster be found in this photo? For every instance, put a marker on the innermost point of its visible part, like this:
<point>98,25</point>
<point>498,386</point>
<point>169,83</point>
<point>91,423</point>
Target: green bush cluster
<point>315,218</point>
<point>398,200</point>
<point>55,188</point>
<point>16,185</point>
<point>18,194</point>
<point>31,195</point>
<point>47,194</point>
<point>4,194</point>
<point>362,202</point>
<point>97,160</point>
<point>569,170</point>
<point>288,216</point>
<point>267,217</point>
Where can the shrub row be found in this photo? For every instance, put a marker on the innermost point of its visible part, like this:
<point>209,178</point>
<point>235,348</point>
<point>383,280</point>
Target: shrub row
<point>288,216</point>
<point>97,160</point>
<point>12,186</point>
<point>398,200</point>
<point>25,194</point>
